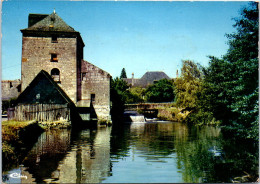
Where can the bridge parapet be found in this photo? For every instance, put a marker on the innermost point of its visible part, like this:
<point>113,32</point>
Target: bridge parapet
<point>142,106</point>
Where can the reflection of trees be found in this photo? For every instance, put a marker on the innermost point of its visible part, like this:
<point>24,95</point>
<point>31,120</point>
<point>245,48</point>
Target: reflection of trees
<point>194,148</point>
<point>154,138</point>
<point>193,156</point>
<point>244,157</point>
<point>120,140</point>
<point>198,163</point>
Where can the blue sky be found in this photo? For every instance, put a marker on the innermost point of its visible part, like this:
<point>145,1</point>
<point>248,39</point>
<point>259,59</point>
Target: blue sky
<point>138,36</point>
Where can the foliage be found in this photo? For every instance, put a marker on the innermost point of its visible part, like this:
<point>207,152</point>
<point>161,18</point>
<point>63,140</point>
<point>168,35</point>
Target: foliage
<point>12,142</point>
<point>123,74</point>
<point>135,95</point>
<point>188,85</point>
<point>231,83</point>
<point>118,97</point>
<point>162,91</point>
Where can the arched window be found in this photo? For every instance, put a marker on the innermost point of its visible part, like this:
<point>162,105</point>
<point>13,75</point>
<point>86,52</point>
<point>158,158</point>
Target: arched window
<point>55,74</point>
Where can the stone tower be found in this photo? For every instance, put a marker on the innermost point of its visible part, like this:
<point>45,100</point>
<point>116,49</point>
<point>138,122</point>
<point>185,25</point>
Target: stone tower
<point>50,44</point>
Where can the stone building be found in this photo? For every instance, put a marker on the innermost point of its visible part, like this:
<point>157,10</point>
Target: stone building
<point>51,45</point>
<point>147,79</point>
<point>10,89</point>
<point>44,100</point>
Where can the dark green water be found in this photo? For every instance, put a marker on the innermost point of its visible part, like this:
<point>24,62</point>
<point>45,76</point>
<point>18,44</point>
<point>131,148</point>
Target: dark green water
<point>159,152</point>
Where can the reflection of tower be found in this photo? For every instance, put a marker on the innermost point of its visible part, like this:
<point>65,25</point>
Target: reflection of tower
<point>89,160</point>
<point>50,149</point>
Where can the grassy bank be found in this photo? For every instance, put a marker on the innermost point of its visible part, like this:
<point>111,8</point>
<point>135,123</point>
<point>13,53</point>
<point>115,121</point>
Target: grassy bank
<point>17,138</point>
<point>172,114</point>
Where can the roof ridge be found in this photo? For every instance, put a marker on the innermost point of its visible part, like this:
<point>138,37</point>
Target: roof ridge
<point>52,22</point>
<point>96,67</point>
<point>49,78</point>
<point>60,90</point>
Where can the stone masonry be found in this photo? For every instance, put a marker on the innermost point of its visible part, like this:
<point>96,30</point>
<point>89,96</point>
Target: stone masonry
<point>96,89</point>
<point>36,55</point>
<point>10,89</point>
<point>50,44</point>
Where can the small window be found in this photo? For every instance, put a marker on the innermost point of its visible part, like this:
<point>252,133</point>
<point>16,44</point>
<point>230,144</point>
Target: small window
<point>92,98</point>
<point>54,39</point>
<point>54,58</point>
<point>11,85</point>
<point>19,88</point>
<point>55,74</point>
<point>84,76</point>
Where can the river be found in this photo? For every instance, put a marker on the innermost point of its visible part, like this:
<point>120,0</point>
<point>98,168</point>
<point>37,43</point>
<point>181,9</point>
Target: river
<point>161,152</point>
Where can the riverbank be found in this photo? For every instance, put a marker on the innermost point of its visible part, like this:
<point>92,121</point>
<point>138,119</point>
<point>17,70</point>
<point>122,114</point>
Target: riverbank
<point>17,138</point>
<point>172,114</point>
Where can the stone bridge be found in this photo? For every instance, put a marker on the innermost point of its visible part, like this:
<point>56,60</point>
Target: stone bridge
<point>149,110</point>
<point>147,106</point>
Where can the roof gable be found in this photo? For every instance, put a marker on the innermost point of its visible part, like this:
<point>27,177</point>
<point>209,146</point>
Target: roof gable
<point>154,76</point>
<point>51,22</point>
<point>86,66</point>
<point>34,18</point>
<point>147,79</point>
<point>44,90</point>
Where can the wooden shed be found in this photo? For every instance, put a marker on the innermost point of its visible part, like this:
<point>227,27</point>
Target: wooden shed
<point>44,100</point>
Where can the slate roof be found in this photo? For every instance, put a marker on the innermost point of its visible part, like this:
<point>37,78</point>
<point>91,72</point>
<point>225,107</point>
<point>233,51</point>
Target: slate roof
<point>48,90</point>
<point>150,77</point>
<point>50,22</point>
<point>147,79</point>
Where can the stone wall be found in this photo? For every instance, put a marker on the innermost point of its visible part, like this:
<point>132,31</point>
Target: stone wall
<point>36,56</point>
<point>96,88</point>
<point>10,89</point>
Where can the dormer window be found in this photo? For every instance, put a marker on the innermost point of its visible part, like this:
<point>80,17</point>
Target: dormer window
<point>54,58</point>
<point>51,27</point>
<point>54,39</point>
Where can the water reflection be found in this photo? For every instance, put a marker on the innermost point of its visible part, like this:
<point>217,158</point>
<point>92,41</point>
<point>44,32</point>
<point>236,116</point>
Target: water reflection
<point>88,161</point>
<point>151,152</point>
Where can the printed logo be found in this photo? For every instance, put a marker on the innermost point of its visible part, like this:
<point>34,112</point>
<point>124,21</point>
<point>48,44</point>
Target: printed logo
<point>17,175</point>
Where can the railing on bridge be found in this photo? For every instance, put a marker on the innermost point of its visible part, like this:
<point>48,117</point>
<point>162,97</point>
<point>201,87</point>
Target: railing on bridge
<point>142,106</point>
<point>149,110</point>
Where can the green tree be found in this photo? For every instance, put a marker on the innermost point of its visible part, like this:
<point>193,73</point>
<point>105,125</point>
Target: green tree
<point>118,97</point>
<point>162,91</point>
<point>188,85</point>
<point>123,74</point>
<point>135,95</point>
<point>232,82</point>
